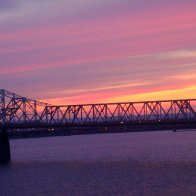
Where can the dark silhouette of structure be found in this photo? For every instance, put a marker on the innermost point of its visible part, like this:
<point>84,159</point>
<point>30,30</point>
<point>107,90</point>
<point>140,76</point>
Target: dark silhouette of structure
<point>17,112</point>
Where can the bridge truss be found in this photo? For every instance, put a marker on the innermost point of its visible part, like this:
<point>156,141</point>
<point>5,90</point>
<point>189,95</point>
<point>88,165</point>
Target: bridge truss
<point>17,111</point>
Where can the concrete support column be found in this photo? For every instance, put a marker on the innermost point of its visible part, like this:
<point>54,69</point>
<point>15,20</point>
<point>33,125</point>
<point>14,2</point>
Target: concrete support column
<point>4,146</point>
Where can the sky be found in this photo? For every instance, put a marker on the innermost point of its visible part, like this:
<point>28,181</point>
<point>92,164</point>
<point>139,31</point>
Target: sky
<point>89,51</point>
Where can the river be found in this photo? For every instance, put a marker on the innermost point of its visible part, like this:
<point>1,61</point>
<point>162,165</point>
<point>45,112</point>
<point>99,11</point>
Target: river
<point>144,163</point>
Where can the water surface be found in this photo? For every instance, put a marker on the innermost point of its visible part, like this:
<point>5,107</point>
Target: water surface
<point>146,163</point>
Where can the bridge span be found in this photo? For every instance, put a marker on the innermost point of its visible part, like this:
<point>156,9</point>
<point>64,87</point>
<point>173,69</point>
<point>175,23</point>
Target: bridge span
<point>17,112</point>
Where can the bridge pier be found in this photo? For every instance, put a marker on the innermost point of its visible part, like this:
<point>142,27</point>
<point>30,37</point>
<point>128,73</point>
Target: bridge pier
<point>4,146</point>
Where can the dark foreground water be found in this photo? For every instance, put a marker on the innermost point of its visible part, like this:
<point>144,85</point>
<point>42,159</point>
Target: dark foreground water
<point>148,163</point>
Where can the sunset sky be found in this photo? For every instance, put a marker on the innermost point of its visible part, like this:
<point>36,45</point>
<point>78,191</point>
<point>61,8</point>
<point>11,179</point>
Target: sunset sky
<point>89,51</point>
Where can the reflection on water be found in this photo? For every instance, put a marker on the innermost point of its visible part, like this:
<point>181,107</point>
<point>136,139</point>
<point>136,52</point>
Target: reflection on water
<point>148,163</point>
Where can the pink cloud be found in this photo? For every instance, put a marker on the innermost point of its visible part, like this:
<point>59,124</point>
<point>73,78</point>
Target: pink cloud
<point>92,52</point>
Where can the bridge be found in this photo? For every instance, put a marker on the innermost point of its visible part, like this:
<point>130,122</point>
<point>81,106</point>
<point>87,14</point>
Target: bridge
<point>18,112</point>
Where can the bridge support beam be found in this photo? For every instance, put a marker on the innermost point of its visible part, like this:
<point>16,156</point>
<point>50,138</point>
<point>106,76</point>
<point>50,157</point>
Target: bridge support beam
<point>4,146</point>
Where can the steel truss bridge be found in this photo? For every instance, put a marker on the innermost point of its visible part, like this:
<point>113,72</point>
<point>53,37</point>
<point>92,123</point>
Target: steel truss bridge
<point>20,112</point>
